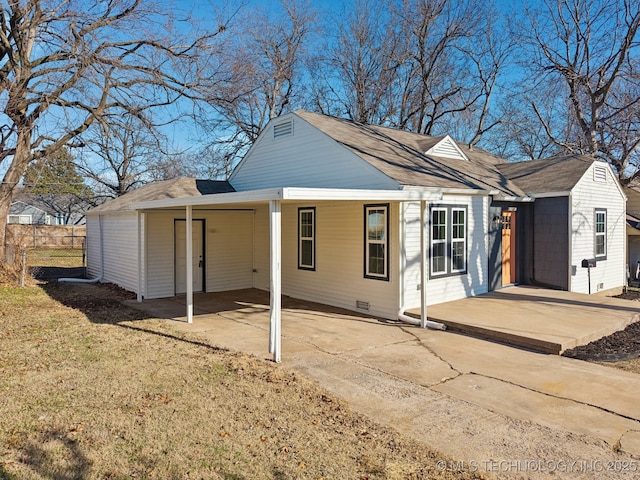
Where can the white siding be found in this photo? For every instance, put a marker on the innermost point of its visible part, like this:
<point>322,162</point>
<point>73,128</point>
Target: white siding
<point>120,249</point>
<point>228,246</point>
<point>338,279</point>
<point>159,254</point>
<point>307,158</point>
<point>474,282</point>
<point>94,266</point>
<point>261,248</point>
<point>586,196</point>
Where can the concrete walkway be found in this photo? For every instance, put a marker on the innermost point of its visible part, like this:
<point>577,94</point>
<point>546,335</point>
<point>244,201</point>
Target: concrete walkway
<point>548,321</point>
<point>508,412</point>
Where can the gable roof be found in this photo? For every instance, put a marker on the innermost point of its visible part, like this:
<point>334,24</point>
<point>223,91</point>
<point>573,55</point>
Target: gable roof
<point>633,199</point>
<point>401,156</point>
<point>176,188</point>
<point>20,206</point>
<point>556,174</point>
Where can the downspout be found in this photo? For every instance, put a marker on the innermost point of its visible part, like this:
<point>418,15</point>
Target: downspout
<point>99,277</point>
<point>422,322</point>
<point>416,321</point>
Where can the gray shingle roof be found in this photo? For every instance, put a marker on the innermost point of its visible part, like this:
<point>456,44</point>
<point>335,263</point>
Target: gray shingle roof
<point>176,188</point>
<point>400,155</point>
<point>633,200</point>
<point>557,174</point>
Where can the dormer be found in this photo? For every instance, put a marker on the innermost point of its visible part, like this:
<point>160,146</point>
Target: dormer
<point>447,148</point>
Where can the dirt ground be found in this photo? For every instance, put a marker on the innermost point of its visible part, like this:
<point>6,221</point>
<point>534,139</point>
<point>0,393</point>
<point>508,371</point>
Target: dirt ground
<point>619,350</point>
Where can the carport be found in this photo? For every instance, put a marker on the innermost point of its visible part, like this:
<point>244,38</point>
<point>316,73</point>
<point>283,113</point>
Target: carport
<point>273,199</point>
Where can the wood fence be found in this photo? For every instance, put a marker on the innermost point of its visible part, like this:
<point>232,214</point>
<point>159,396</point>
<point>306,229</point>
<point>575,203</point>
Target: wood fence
<point>46,236</point>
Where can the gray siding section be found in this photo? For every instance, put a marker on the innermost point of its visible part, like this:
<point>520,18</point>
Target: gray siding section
<point>551,242</point>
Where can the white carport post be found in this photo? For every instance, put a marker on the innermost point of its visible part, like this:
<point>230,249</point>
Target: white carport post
<point>423,265</point>
<point>275,239</point>
<point>189,278</point>
<point>140,253</point>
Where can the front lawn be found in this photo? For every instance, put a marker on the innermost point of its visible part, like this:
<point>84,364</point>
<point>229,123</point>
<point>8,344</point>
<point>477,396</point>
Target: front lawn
<point>93,389</point>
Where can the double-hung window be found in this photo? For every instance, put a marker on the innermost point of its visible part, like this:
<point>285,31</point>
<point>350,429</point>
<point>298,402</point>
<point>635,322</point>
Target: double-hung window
<point>448,240</point>
<point>601,234</point>
<point>307,238</point>
<point>376,242</point>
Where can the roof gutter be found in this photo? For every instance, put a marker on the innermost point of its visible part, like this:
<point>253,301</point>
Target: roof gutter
<point>565,193</point>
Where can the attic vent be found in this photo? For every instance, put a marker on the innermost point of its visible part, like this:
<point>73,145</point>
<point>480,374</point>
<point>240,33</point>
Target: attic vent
<point>362,305</point>
<point>599,174</point>
<point>283,129</point>
<point>447,148</point>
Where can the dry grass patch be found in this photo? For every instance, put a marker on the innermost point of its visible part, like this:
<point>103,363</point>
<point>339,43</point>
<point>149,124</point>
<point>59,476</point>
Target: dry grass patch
<point>92,389</point>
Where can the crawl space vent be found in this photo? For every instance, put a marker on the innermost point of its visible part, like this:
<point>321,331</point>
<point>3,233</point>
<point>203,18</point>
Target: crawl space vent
<point>362,305</point>
<point>283,129</point>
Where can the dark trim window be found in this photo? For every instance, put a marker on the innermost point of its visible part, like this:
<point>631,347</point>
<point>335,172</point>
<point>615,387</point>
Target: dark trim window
<point>600,241</point>
<point>307,238</point>
<point>376,241</point>
<point>448,253</point>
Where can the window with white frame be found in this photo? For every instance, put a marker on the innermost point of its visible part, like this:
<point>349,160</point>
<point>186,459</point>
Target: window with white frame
<point>20,219</point>
<point>438,241</point>
<point>601,234</point>
<point>458,240</point>
<point>448,254</point>
<point>376,241</point>
<point>307,238</point>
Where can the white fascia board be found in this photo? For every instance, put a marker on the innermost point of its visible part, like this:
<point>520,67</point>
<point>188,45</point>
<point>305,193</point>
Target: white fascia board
<point>550,194</point>
<point>106,213</point>
<point>298,194</point>
<point>340,194</point>
<point>513,198</point>
<point>213,199</point>
<point>451,191</point>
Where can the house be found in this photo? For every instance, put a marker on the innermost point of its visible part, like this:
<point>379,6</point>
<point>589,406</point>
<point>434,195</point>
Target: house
<point>47,209</point>
<point>365,218</point>
<point>26,214</point>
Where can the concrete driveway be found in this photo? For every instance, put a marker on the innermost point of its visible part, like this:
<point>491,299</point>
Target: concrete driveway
<point>509,412</point>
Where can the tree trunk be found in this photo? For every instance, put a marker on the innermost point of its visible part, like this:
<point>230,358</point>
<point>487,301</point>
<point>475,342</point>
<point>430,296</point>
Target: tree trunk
<point>16,170</point>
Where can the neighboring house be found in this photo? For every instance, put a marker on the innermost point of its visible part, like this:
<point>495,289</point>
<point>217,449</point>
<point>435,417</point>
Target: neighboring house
<point>48,209</point>
<point>368,219</point>
<point>633,233</point>
<point>25,214</point>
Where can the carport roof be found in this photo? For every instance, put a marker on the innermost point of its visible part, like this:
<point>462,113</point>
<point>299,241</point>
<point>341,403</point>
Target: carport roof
<point>178,188</point>
<point>304,194</point>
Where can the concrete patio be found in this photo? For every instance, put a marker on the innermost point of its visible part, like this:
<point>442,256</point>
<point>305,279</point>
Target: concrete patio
<point>549,321</point>
<point>469,398</point>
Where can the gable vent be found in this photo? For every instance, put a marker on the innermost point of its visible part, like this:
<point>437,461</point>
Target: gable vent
<point>283,129</point>
<point>599,174</point>
<point>446,148</point>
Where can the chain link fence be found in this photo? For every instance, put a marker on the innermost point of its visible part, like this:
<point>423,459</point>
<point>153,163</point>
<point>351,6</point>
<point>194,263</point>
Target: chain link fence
<point>45,252</point>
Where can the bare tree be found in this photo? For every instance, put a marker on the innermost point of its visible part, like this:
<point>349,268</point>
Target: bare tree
<point>590,50</point>
<point>120,154</point>
<point>263,76</point>
<point>360,64</point>
<point>66,63</point>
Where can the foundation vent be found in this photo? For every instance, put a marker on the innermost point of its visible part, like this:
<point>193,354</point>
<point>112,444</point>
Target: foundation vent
<point>362,305</point>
